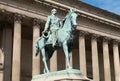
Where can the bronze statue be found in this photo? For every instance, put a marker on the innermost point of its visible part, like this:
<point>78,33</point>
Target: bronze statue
<point>57,34</point>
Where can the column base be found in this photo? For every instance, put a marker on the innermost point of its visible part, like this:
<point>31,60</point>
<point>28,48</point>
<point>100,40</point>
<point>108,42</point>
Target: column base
<point>64,75</point>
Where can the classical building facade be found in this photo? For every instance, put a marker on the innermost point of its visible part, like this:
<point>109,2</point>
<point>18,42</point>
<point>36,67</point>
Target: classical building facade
<point>96,49</point>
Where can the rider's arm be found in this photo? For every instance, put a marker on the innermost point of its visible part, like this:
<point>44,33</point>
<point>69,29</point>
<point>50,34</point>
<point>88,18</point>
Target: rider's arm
<point>47,23</point>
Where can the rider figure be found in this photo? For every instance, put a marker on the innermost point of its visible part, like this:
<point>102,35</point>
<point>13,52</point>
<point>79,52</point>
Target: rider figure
<point>52,25</point>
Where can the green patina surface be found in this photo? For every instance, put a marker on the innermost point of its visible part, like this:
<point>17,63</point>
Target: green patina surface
<point>57,32</point>
<point>68,71</point>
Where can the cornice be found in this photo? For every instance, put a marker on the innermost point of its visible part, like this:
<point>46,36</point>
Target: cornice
<point>97,31</point>
<point>82,13</point>
<point>21,10</point>
<point>32,13</point>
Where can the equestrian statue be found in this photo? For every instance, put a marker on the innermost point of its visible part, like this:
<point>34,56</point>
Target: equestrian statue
<point>57,33</point>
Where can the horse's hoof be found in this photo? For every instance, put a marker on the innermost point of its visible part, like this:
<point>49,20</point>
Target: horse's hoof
<point>48,71</point>
<point>70,68</point>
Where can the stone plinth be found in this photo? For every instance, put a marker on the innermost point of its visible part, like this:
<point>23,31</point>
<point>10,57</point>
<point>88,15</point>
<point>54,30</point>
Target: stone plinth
<point>64,75</point>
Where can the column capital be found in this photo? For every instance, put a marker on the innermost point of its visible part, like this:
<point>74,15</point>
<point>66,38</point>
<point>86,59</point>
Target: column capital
<point>2,10</point>
<point>115,41</point>
<point>106,39</point>
<point>95,36</point>
<point>36,22</point>
<point>18,17</point>
<point>82,33</point>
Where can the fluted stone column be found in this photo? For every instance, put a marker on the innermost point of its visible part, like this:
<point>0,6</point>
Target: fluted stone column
<point>106,59</point>
<point>36,59</point>
<point>16,48</point>
<point>1,65</point>
<point>1,57</point>
<point>7,52</point>
<point>82,52</point>
<point>95,58</point>
<point>53,62</point>
<point>116,59</point>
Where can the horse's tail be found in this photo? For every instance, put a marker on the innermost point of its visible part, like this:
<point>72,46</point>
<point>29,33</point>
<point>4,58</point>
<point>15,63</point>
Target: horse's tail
<point>36,47</point>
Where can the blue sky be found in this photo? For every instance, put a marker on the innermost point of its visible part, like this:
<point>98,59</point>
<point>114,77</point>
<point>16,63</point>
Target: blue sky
<point>109,5</point>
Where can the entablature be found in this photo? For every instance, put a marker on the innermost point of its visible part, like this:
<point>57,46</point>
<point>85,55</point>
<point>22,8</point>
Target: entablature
<point>40,15</point>
<point>84,13</point>
<point>54,4</point>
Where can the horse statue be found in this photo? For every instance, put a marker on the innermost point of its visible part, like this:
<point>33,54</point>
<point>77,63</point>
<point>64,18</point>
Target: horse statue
<point>64,39</point>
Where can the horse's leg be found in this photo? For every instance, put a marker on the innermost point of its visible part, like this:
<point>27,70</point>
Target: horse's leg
<point>69,55</point>
<point>65,48</point>
<point>44,60</point>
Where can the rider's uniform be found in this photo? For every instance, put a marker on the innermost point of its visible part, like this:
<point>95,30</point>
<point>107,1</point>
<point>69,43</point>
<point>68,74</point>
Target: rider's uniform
<point>52,24</point>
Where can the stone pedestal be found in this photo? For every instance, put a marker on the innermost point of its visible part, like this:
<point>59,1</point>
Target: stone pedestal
<point>64,75</point>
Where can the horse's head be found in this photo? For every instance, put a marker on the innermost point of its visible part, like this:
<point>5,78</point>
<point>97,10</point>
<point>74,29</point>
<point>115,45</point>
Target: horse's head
<point>73,18</point>
<point>70,20</point>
